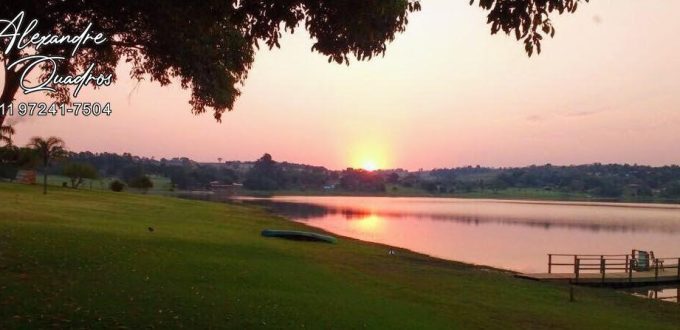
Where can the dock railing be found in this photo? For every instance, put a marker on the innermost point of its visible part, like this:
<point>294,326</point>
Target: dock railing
<point>589,262</point>
<point>659,264</point>
<point>609,263</point>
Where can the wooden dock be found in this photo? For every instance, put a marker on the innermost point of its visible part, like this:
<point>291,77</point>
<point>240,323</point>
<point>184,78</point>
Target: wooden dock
<point>609,270</point>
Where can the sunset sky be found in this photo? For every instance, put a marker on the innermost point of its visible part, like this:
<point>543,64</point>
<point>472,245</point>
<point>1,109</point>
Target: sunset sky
<point>447,93</point>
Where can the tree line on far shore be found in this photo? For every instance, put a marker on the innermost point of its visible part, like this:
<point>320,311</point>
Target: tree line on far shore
<point>266,174</point>
<point>593,180</point>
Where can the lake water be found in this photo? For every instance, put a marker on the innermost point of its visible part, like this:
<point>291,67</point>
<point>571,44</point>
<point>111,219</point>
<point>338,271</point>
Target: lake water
<point>514,235</point>
<point>669,293</point>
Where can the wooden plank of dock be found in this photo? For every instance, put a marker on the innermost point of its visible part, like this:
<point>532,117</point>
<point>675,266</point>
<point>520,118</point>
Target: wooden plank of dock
<point>667,275</point>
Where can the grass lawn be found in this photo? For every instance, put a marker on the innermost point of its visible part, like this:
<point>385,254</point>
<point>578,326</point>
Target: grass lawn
<point>160,184</point>
<point>85,259</point>
<point>526,193</point>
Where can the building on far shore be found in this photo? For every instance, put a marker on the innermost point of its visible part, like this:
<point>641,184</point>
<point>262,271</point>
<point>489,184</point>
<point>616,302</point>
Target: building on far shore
<point>220,187</point>
<point>26,176</point>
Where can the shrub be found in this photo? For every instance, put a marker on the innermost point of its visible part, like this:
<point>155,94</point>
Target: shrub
<point>79,171</point>
<point>117,186</point>
<point>143,182</point>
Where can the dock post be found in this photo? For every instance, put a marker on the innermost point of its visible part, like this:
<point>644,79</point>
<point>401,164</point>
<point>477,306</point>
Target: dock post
<point>656,270</point>
<point>575,264</point>
<point>678,268</point>
<point>549,263</point>
<point>626,266</point>
<point>630,271</point>
<point>601,264</point>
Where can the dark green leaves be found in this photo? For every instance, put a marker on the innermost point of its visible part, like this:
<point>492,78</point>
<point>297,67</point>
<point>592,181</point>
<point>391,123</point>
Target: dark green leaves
<point>526,19</point>
<point>209,46</point>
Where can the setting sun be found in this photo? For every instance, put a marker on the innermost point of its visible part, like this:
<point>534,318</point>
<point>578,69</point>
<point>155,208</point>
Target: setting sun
<point>369,165</point>
<point>370,156</point>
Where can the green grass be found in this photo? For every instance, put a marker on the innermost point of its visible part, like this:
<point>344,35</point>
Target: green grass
<point>85,259</point>
<point>526,193</point>
<point>160,184</point>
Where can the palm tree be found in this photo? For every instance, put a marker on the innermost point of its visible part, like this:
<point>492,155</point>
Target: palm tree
<point>48,150</point>
<point>6,133</point>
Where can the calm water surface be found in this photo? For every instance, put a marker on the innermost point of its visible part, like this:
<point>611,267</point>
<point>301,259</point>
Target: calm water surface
<point>664,293</point>
<point>514,235</point>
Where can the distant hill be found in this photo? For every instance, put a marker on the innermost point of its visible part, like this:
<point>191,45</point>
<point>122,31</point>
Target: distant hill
<point>612,181</point>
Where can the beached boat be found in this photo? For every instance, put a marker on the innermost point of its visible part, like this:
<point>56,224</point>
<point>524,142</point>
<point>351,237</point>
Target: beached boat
<point>298,235</point>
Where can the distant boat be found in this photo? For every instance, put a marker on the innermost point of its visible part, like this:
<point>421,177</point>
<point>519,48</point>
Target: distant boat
<point>298,235</point>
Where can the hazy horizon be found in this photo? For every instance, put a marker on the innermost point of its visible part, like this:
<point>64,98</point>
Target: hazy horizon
<point>278,160</point>
<point>446,94</point>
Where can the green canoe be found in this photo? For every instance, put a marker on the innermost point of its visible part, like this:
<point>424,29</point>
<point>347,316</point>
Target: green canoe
<point>298,235</point>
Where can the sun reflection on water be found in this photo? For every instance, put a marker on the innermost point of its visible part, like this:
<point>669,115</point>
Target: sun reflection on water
<point>370,224</point>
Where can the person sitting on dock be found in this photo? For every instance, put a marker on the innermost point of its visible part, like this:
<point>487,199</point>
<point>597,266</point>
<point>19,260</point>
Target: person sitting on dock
<point>655,260</point>
<point>643,261</point>
<point>640,260</point>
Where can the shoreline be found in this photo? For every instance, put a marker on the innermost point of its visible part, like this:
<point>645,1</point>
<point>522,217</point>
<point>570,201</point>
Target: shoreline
<point>617,202</point>
<point>504,194</point>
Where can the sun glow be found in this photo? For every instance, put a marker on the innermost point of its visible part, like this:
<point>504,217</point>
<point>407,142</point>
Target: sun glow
<point>369,165</point>
<point>369,156</point>
<point>369,224</point>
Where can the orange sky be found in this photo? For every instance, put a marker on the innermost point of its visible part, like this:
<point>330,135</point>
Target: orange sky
<point>447,93</point>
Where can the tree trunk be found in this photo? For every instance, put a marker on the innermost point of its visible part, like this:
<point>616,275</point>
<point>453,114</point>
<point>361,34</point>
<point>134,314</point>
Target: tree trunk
<point>9,91</point>
<point>45,176</point>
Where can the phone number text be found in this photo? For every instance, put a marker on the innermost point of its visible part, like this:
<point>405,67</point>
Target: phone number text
<point>41,109</point>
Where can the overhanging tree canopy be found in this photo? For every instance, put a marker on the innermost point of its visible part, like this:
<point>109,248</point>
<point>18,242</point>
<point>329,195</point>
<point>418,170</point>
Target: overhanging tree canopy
<point>210,45</point>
